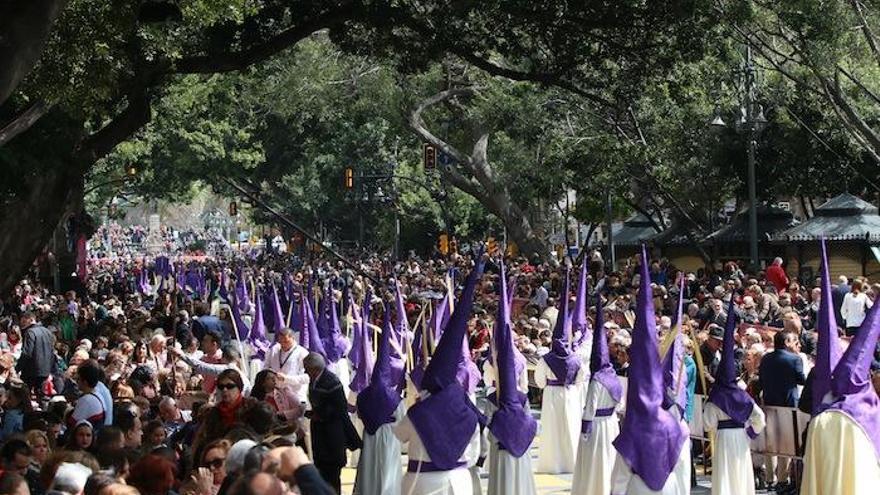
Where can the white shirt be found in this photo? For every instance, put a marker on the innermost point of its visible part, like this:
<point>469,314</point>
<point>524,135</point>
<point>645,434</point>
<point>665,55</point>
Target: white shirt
<point>854,308</point>
<point>290,364</point>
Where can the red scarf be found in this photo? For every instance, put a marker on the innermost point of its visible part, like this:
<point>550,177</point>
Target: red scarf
<point>227,411</point>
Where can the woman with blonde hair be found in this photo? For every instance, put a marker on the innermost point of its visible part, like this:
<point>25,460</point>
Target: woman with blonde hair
<point>38,441</point>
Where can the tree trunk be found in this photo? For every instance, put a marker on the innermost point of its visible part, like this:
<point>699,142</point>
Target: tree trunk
<point>29,219</point>
<point>24,27</point>
<point>474,175</point>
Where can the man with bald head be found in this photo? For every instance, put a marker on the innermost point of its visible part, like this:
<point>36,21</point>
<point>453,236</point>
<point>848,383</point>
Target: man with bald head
<point>285,358</point>
<point>331,428</point>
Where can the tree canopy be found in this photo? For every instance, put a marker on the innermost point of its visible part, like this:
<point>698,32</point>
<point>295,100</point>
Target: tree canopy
<point>527,100</point>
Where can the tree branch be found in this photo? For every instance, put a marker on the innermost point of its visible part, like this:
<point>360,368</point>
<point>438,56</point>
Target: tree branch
<point>418,124</point>
<point>99,144</point>
<point>544,78</point>
<point>24,121</point>
<point>234,61</point>
<point>24,27</point>
<point>866,29</point>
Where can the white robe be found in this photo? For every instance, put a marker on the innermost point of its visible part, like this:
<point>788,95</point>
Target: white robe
<point>475,470</point>
<point>625,482</point>
<point>342,370</point>
<point>490,377</point>
<point>378,470</point>
<point>584,352</point>
<point>508,475</point>
<point>596,454</point>
<point>732,472</point>
<point>454,482</point>
<point>561,411</point>
<point>354,455</point>
<point>839,458</point>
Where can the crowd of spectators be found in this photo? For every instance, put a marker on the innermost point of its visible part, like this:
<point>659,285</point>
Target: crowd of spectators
<point>113,387</point>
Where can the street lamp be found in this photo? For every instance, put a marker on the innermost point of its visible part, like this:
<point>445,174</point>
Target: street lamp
<point>750,121</point>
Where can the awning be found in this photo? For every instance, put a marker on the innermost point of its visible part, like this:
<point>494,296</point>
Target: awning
<point>876,251</point>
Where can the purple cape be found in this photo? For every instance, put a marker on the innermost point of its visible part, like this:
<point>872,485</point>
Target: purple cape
<point>446,421</point>
<point>651,438</point>
<point>725,394</point>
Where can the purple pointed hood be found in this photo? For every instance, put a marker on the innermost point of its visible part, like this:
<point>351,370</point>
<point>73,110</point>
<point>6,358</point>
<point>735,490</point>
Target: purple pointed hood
<point>377,402</point>
<point>361,354</point>
<point>851,385</point>
<point>512,424</point>
<point>447,357</point>
<point>309,336</point>
<point>440,318</point>
<point>447,419</point>
<point>163,266</point>
<point>241,293</point>
<point>243,330</point>
<point>420,354</point>
<point>725,393</point>
<point>564,363</point>
<point>651,438</point>
<point>257,337</point>
<point>579,323</point>
<point>828,343</point>
<point>673,362</point>
<point>322,317</point>
<point>336,344</point>
<point>601,369</point>
<point>277,314</point>
<point>224,290</point>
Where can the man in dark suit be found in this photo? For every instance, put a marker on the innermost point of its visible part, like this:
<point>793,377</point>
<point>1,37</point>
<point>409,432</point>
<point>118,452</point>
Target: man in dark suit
<point>37,361</point>
<point>204,322</point>
<point>331,428</point>
<point>780,373</point>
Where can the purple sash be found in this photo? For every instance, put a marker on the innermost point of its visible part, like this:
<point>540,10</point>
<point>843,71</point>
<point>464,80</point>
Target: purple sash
<point>414,466</point>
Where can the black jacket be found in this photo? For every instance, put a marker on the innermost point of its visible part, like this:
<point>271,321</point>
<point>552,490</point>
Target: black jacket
<point>332,431</point>
<point>309,481</point>
<point>37,359</point>
<point>780,373</point>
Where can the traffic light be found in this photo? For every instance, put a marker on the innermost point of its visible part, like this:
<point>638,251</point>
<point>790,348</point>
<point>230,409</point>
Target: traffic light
<point>491,246</point>
<point>453,246</point>
<point>349,178</point>
<point>233,208</point>
<point>443,244</point>
<point>429,156</point>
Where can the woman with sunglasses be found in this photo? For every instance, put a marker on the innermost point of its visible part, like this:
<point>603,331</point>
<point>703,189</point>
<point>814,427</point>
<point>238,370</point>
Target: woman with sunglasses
<point>229,410</point>
<point>207,478</point>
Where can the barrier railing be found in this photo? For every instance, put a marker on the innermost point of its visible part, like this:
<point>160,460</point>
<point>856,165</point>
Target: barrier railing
<point>781,437</point>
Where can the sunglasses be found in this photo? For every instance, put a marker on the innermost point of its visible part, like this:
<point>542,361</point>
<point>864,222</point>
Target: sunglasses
<point>226,386</point>
<point>215,463</point>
